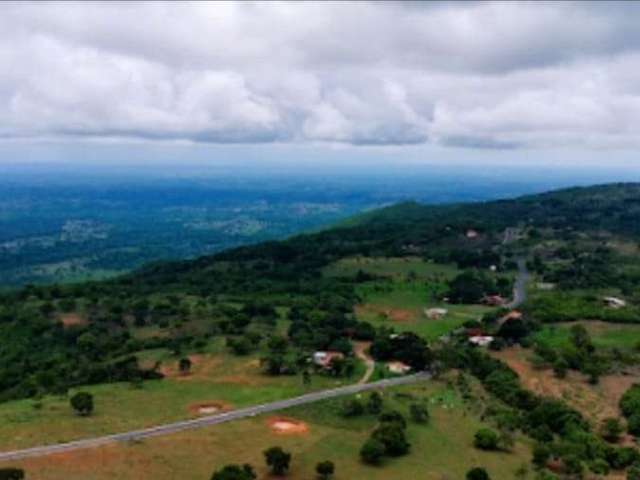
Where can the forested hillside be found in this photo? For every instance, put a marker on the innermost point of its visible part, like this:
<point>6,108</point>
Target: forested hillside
<point>370,279</point>
<point>232,288</point>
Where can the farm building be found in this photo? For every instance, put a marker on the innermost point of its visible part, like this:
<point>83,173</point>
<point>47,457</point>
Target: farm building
<point>399,368</point>
<point>512,315</point>
<point>493,300</point>
<point>614,302</point>
<point>435,313</point>
<point>481,340</point>
<point>323,359</point>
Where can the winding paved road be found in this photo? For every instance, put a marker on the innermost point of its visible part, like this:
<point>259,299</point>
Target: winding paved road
<point>210,420</point>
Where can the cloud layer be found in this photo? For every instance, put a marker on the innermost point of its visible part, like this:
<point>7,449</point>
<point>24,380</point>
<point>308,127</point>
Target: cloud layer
<point>494,75</point>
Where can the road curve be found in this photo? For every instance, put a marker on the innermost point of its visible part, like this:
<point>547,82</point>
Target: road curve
<point>210,420</point>
<point>360,349</point>
<point>520,285</point>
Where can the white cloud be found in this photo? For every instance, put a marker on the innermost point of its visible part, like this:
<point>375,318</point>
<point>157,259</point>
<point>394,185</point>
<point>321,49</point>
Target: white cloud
<point>462,74</point>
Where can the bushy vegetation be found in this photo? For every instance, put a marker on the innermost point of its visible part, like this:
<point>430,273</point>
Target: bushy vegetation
<point>563,431</point>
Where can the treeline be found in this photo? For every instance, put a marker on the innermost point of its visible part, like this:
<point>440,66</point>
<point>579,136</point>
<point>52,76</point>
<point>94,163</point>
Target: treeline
<point>561,433</point>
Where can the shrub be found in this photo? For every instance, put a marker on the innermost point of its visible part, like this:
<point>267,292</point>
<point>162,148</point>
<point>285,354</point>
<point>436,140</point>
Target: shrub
<point>374,405</point>
<point>394,417</point>
<point>633,472</point>
<point>82,402</point>
<point>352,408</point>
<point>541,455</point>
<point>633,424</point>
<point>11,473</point>
<point>478,473</point>
<point>325,469</point>
<point>235,472</point>
<point>486,439</point>
<point>419,412</point>
<point>599,467</point>
<point>372,451</point>
<point>611,429</point>
<point>392,436</point>
<point>277,459</point>
<point>630,401</point>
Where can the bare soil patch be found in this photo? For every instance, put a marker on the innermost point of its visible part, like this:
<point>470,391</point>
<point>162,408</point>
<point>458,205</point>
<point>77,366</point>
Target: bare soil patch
<point>596,402</point>
<point>72,320</point>
<point>287,426</point>
<point>209,408</point>
<point>394,314</point>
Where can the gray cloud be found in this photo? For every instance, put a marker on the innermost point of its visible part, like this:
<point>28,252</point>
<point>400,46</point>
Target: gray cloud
<point>480,75</point>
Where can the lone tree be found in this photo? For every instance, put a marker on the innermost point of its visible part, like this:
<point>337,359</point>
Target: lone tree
<point>325,469</point>
<point>478,473</point>
<point>82,402</point>
<point>235,472</point>
<point>486,439</point>
<point>419,412</point>
<point>11,473</point>
<point>611,430</point>
<point>374,405</point>
<point>352,408</point>
<point>278,460</point>
<point>372,451</point>
<point>392,436</point>
<point>184,365</point>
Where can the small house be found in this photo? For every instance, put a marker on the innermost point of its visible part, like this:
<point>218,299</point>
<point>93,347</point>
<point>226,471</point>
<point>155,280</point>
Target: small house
<point>471,233</point>
<point>399,368</point>
<point>324,359</point>
<point>435,313</point>
<point>614,302</point>
<point>474,332</point>
<point>493,300</point>
<point>481,340</point>
<point>512,315</point>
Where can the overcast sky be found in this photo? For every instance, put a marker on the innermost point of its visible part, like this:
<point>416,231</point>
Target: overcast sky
<point>448,80</point>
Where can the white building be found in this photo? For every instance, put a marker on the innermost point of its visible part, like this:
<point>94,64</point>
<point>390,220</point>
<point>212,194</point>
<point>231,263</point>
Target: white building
<point>481,340</point>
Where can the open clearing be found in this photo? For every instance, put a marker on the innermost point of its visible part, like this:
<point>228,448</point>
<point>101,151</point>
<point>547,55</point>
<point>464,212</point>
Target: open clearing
<point>402,306</point>
<point>441,450</point>
<point>216,378</point>
<point>397,268</point>
<point>596,402</point>
<point>603,334</point>
<point>287,426</point>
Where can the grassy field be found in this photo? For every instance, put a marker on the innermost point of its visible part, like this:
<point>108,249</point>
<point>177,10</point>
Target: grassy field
<point>441,450</point>
<point>402,306</point>
<point>397,268</point>
<point>215,377</point>
<point>603,334</point>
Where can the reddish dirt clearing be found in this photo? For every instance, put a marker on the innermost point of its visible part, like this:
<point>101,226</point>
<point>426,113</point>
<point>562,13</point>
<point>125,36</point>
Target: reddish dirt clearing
<point>287,426</point>
<point>209,408</point>
<point>596,402</point>
<point>72,319</point>
<point>394,314</point>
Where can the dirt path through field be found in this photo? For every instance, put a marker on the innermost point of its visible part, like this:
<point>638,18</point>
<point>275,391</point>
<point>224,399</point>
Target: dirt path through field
<point>360,349</point>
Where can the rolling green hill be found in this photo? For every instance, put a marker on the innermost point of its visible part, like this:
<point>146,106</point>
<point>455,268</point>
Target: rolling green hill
<point>364,280</point>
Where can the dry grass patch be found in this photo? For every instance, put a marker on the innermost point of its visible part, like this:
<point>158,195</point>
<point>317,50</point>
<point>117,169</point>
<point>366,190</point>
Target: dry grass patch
<point>595,402</point>
<point>399,315</point>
